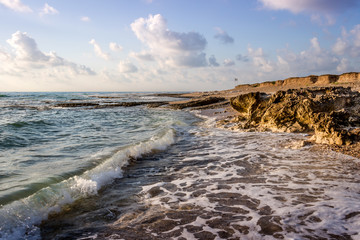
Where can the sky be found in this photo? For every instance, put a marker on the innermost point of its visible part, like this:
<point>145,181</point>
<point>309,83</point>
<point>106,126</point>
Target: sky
<point>172,45</point>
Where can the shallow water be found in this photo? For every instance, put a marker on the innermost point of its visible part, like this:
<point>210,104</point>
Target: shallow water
<point>183,179</point>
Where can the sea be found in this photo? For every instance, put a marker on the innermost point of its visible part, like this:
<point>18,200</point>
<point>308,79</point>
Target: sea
<point>74,172</point>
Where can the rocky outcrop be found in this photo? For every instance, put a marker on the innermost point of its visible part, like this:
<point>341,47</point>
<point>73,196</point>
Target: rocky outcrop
<point>201,102</point>
<point>331,113</point>
<point>93,105</point>
<point>309,81</point>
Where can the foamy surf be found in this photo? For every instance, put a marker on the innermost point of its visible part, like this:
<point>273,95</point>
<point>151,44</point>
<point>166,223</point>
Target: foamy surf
<point>19,219</point>
<point>252,186</point>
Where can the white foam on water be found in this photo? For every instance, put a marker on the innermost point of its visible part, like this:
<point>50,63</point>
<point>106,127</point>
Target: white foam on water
<point>313,193</point>
<point>18,219</point>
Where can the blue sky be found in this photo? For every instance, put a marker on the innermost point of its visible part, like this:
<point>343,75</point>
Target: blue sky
<point>172,45</point>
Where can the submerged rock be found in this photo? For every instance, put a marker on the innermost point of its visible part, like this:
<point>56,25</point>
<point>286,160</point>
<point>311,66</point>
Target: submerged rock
<point>197,102</point>
<point>332,113</point>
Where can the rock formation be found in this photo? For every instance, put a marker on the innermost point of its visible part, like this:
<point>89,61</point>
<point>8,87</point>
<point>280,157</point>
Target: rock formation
<point>309,81</point>
<point>331,113</point>
<point>200,103</point>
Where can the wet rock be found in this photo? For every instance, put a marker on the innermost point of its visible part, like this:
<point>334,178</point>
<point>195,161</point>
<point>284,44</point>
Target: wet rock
<point>350,215</point>
<point>155,191</point>
<point>76,104</point>
<point>193,229</point>
<point>332,113</point>
<point>198,193</point>
<point>266,210</point>
<point>241,229</point>
<point>268,227</point>
<point>197,102</point>
<point>231,199</point>
<point>94,105</point>
<point>235,210</point>
<point>204,235</point>
<point>163,225</point>
<point>170,187</point>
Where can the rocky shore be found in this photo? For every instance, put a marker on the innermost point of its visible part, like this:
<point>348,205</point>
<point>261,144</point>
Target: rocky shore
<point>325,107</point>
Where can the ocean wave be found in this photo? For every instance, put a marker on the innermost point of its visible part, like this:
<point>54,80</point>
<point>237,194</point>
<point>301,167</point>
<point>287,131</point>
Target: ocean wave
<point>20,124</point>
<point>19,218</point>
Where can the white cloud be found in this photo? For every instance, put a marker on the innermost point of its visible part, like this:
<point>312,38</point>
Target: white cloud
<point>85,19</point>
<point>98,51</point>
<point>223,36</point>
<point>259,59</point>
<point>28,58</point>
<point>169,47</point>
<point>315,60</point>
<point>228,62</point>
<point>297,6</point>
<point>115,47</point>
<point>213,61</point>
<point>16,5</point>
<point>340,47</point>
<point>349,43</point>
<point>355,32</point>
<point>48,10</point>
<point>127,67</point>
<point>142,56</point>
<point>344,66</point>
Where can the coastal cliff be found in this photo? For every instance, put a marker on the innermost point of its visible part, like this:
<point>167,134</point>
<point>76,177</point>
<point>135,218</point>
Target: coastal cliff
<point>309,81</point>
<point>331,113</point>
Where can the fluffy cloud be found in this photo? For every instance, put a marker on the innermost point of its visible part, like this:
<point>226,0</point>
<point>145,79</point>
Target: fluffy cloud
<point>48,10</point>
<point>98,51</point>
<point>115,47</point>
<point>297,6</point>
<point>228,62</point>
<point>259,59</point>
<point>127,67</point>
<point>28,57</point>
<point>315,60</point>
<point>169,47</point>
<point>223,36</point>
<point>348,43</point>
<point>15,5</point>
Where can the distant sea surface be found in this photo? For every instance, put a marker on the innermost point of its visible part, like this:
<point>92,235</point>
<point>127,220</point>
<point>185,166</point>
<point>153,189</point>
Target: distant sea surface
<point>72,172</point>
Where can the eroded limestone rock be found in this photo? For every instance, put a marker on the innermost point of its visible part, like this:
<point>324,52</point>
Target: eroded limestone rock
<point>331,113</point>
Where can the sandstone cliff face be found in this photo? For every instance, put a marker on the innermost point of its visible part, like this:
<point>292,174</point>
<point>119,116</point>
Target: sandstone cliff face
<point>331,113</point>
<point>308,81</point>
